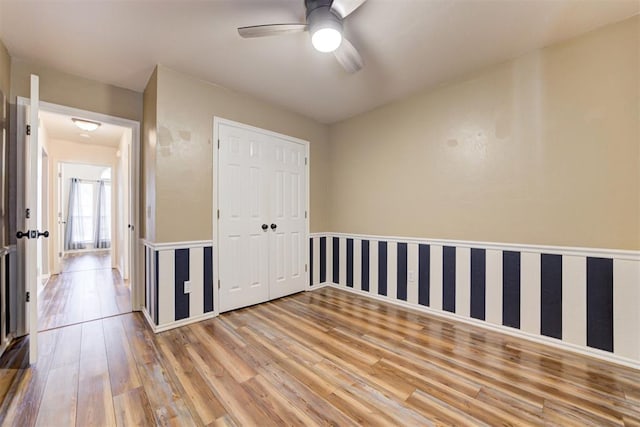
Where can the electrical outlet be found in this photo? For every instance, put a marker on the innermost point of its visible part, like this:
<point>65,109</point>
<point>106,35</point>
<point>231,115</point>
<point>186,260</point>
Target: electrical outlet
<point>187,286</point>
<point>411,276</point>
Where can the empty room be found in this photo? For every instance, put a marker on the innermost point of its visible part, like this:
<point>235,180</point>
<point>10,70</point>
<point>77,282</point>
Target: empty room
<point>320,212</point>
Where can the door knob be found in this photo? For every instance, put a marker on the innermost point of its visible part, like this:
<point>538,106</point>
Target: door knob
<point>31,234</point>
<point>273,226</point>
<point>265,227</point>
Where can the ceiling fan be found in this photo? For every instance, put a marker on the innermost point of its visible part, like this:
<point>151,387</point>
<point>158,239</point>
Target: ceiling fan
<point>324,23</point>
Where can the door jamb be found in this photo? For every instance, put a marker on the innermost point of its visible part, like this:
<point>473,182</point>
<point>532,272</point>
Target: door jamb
<point>137,286</point>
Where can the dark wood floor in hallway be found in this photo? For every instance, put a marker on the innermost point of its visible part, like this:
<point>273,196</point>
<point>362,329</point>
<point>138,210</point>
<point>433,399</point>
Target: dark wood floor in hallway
<point>315,358</point>
<point>87,289</point>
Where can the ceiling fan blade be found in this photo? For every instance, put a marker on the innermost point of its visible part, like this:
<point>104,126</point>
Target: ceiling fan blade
<point>348,57</point>
<point>345,7</point>
<point>271,30</point>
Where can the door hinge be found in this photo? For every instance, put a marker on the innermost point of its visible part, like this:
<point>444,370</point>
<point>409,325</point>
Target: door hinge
<point>28,129</point>
<point>59,175</point>
<point>59,254</point>
<point>218,144</point>
<point>218,213</point>
<point>28,296</point>
<point>305,214</point>
<point>218,283</point>
<point>305,160</point>
<point>305,268</point>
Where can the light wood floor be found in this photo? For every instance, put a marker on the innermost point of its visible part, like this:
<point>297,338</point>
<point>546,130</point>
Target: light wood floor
<point>86,261</point>
<point>87,289</point>
<point>323,357</point>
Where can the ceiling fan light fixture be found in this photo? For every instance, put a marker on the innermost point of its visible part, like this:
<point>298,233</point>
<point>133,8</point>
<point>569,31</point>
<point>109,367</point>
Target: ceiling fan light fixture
<point>324,20</point>
<point>326,39</point>
<point>86,125</point>
<point>325,29</point>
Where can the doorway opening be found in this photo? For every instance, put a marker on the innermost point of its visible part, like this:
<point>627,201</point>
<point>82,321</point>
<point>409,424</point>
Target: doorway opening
<point>87,182</point>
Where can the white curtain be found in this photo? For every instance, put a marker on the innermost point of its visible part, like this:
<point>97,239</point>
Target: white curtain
<point>102,224</point>
<point>74,232</point>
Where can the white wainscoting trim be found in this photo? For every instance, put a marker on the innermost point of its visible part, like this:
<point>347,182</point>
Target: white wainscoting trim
<point>6,344</point>
<point>518,333</point>
<point>177,245</point>
<point>559,250</point>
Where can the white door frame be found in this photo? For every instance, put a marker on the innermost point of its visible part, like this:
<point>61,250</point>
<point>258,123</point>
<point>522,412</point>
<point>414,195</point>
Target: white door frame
<point>137,286</point>
<point>43,255</point>
<point>217,121</point>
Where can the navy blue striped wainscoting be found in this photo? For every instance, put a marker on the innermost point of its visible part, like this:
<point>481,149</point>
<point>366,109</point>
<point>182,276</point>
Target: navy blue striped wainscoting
<point>382,268</point>
<point>402,272</point>
<point>4,258</point>
<point>478,283</point>
<point>551,295</point>
<point>166,271</point>
<point>6,276</point>
<point>349,263</point>
<point>582,298</point>
<point>8,299</point>
<point>511,289</point>
<point>449,279</point>
<point>424,268</point>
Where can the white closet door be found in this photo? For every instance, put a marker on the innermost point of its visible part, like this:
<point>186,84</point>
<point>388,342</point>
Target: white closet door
<point>244,159</point>
<point>288,200</point>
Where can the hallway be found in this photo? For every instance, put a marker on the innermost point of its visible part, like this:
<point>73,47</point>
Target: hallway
<point>87,289</point>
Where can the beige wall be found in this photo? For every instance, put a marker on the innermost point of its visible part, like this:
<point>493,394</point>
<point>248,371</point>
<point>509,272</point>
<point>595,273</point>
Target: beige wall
<point>184,174</point>
<point>5,69</point>
<point>540,150</point>
<point>7,169</point>
<point>72,91</point>
<point>148,160</point>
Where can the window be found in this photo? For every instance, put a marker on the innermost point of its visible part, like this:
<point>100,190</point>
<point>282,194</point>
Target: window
<point>88,224</point>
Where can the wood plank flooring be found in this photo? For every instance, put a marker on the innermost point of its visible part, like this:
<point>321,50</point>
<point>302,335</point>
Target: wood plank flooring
<point>316,358</point>
<point>87,289</point>
<point>85,261</point>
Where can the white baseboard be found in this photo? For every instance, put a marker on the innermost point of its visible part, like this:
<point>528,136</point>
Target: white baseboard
<point>167,326</point>
<point>6,344</point>
<point>148,318</point>
<point>551,342</point>
<point>319,286</point>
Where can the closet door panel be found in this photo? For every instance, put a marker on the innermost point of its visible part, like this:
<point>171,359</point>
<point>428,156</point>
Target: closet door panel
<point>244,207</point>
<point>288,196</point>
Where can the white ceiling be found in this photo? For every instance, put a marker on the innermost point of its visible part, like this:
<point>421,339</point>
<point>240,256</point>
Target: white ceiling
<point>61,127</point>
<point>406,44</point>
